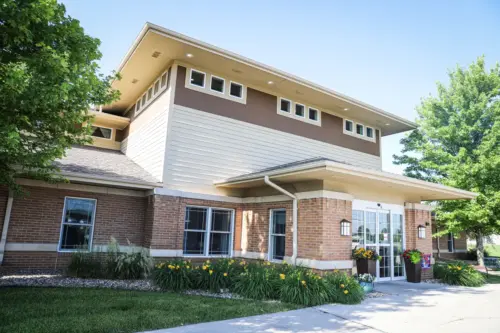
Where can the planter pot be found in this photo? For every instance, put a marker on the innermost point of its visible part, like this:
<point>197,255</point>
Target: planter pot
<point>413,272</point>
<point>365,266</point>
<point>367,286</point>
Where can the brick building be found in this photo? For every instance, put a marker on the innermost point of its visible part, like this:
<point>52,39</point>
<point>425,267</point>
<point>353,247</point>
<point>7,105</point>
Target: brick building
<point>210,154</point>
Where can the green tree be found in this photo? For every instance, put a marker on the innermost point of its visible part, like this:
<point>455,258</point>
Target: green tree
<point>458,144</point>
<point>48,79</point>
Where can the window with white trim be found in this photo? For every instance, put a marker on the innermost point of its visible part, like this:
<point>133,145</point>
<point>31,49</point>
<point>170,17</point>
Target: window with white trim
<point>208,231</point>
<point>217,84</point>
<point>313,114</point>
<point>369,132</point>
<point>102,132</point>
<point>360,129</point>
<point>277,234</point>
<point>300,110</point>
<point>348,126</point>
<point>236,90</point>
<point>154,90</point>
<point>77,224</point>
<point>285,105</point>
<point>197,78</point>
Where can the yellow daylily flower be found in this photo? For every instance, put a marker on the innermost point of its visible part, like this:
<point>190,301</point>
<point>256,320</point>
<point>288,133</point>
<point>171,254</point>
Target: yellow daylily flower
<point>282,276</point>
<point>225,274</point>
<point>210,272</point>
<point>204,267</point>
<point>346,292</point>
<point>342,286</point>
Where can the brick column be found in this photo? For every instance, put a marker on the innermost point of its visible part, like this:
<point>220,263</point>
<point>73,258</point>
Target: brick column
<point>319,229</point>
<point>415,216</point>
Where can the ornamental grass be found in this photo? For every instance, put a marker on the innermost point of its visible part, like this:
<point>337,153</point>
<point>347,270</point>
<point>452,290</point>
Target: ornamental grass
<point>458,273</point>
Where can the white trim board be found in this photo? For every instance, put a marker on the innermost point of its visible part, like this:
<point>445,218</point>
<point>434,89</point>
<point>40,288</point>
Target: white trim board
<point>270,198</point>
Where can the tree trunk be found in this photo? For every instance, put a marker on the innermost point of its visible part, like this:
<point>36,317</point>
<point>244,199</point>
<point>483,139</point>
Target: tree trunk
<point>480,249</point>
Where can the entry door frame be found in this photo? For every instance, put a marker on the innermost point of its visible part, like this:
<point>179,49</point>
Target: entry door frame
<point>391,209</point>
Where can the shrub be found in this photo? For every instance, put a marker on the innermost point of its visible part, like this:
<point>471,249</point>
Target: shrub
<point>343,288</point>
<point>86,265</point>
<point>113,264</point>
<point>302,286</point>
<point>458,273</point>
<point>173,275</point>
<point>472,255</point>
<point>214,277</point>
<point>257,281</point>
<point>133,265</point>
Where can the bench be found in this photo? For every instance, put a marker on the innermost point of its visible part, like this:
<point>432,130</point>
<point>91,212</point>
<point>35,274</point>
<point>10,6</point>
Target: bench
<point>490,263</point>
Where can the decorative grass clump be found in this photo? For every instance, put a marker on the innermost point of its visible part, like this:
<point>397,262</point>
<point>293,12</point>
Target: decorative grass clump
<point>458,273</point>
<point>112,264</point>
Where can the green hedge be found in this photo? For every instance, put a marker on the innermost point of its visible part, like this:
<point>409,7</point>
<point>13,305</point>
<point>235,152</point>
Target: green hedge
<point>458,273</point>
<point>259,280</point>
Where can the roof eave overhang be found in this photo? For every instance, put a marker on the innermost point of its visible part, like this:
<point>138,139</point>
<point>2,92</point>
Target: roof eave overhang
<point>409,125</point>
<point>446,192</point>
<point>107,181</point>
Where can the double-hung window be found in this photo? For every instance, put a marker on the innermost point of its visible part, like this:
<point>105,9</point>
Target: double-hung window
<point>277,231</point>
<point>77,224</point>
<point>208,231</point>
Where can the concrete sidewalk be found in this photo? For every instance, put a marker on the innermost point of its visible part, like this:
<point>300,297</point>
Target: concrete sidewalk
<point>405,308</point>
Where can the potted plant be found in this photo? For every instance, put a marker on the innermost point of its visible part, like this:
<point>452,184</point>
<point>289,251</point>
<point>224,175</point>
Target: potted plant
<point>366,260</point>
<point>413,265</point>
<point>366,282</point>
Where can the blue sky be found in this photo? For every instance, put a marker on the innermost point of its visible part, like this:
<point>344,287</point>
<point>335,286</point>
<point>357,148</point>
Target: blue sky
<point>386,53</point>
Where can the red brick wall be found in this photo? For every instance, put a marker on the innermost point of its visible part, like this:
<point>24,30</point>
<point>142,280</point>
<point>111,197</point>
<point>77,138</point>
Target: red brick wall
<point>255,218</point>
<point>36,218</point>
<point>414,218</point>
<point>35,260</point>
<point>165,215</point>
<point>319,229</point>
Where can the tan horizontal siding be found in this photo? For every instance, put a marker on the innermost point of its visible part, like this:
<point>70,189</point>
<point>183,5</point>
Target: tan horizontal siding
<point>205,147</point>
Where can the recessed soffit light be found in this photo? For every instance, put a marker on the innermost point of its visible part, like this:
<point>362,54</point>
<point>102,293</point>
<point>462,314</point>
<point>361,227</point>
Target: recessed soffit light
<point>156,54</point>
<point>387,124</point>
<point>346,109</point>
<point>189,55</point>
<point>270,82</point>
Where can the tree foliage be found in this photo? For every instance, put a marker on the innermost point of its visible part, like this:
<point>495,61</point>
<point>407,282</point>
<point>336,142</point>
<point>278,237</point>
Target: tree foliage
<point>48,78</point>
<point>458,144</point>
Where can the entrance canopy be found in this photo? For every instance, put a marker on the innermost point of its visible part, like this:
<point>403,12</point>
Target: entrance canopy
<point>342,177</point>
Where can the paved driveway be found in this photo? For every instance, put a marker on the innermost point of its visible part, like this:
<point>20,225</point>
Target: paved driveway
<point>406,308</point>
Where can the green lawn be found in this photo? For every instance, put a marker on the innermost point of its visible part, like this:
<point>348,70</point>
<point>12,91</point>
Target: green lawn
<point>493,250</point>
<point>492,279</point>
<point>35,310</point>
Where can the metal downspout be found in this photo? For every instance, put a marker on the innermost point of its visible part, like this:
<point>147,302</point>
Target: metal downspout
<point>294,216</point>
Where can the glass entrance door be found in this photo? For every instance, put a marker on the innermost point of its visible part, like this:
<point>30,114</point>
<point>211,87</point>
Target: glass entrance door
<point>379,230</point>
<point>384,244</point>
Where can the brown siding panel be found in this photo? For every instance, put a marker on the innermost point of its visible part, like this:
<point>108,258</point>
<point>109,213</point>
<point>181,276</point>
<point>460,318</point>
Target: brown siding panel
<point>260,109</point>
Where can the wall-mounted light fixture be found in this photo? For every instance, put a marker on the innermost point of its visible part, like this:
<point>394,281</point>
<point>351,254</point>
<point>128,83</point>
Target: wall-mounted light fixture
<point>345,227</point>
<point>421,231</point>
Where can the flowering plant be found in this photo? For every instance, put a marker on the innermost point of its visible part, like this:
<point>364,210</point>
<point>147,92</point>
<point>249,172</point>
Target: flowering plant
<point>414,256</point>
<point>362,253</point>
<point>365,278</point>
